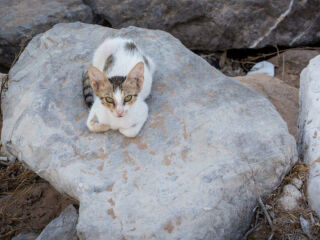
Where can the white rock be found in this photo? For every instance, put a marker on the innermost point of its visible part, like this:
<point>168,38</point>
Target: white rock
<point>290,197</point>
<point>309,126</point>
<point>263,67</point>
<point>209,148</point>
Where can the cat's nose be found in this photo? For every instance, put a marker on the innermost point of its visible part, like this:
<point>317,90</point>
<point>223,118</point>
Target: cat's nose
<point>120,112</point>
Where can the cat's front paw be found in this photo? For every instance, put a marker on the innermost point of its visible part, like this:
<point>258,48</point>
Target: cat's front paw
<point>130,132</point>
<point>94,126</point>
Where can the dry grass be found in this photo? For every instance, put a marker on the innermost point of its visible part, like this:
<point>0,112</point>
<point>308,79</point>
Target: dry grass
<point>225,63</point>
<point>27,202</point>
<point>286,225</point>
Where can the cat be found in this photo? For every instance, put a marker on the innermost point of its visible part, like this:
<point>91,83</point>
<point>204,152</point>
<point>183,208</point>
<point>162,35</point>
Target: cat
<point>116,86</point>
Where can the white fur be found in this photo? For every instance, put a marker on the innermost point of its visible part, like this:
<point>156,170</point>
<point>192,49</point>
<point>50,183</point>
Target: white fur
<point>135,115</point>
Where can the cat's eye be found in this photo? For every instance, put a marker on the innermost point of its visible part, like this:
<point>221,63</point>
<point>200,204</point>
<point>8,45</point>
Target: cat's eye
<point>109,100</point>
<point>128,98</point>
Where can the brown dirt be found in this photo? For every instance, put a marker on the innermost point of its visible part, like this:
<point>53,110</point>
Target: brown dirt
<point>27,202</point>
<point>286,224</point>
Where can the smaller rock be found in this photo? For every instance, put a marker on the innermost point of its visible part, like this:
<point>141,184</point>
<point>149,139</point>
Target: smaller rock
<point>305,227</point>
<point>290,198</point>
<point>62,227</point>
<point>263,67</point>
<point>297,182</point>
<point>25,236</point>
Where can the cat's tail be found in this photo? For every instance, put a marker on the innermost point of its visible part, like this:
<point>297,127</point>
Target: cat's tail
<point>88,93</point>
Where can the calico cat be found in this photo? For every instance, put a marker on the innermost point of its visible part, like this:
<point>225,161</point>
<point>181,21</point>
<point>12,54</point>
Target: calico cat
<point>116,85</point>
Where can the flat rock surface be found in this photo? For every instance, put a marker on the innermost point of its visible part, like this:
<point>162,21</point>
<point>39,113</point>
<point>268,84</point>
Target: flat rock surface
<point>309,122</point>
<point>20,20</point>
<point>209,148</point>
<point>217,25</point>
<point>284,97</point>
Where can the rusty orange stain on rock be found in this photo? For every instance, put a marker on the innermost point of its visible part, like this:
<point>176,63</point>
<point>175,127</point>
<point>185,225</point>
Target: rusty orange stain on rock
<point>315,161</point>
<point>111,213</point>
<point>82,156</point>
<point>158,122</point>
<point>102,155</point>
<point>86,171</point>
<point>185,133</point>
<point>169,227</point>
<point>100,168</point>
<point>110,187</point>
<point>137,169</point>
<point>315,134</point>
<point>110,200</point>
<point>211,93</point>
<point>178,221</point>
<point>152,153</point>
<point>124,175</point>
<point>167,159</point>
<point>162,87</point>
<point>166,108</point>
<point>137,140</point>
<point>80,116</point>
<point>136,186</point>
<point>128,158</point>
<point>184,154</point>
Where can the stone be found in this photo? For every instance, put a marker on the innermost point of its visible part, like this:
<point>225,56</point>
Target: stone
<point>20,20</point>
<point>220,25</point>
<point>290,198</point>
<point>289,64</point>
<point>309,122</point>
<point>62,227</point>
<point>26,236</point>
<point>209,148</point>
<point>263,67</point>
<point>284,97</point>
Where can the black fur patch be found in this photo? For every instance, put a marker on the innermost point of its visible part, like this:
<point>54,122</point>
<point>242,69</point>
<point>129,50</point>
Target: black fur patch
<point>109,63</point>
<point>87,90</point>
<point>131,47</point>
<point>117,81</point>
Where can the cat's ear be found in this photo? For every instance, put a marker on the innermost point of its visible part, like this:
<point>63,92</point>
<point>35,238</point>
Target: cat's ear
<point>135,77</point>
<point>98,80</point>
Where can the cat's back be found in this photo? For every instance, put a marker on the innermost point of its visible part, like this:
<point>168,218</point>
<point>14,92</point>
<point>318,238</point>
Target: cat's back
<point>117,56</point>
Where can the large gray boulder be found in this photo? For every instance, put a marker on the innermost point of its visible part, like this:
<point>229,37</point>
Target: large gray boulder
<point>220,24</point>
<point>20,20</point>
<point>209,148</point>
<point>309,122</point>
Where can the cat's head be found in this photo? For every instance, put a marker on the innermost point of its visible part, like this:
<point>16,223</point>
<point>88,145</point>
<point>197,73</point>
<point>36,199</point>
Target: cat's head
<point>117,93</point>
